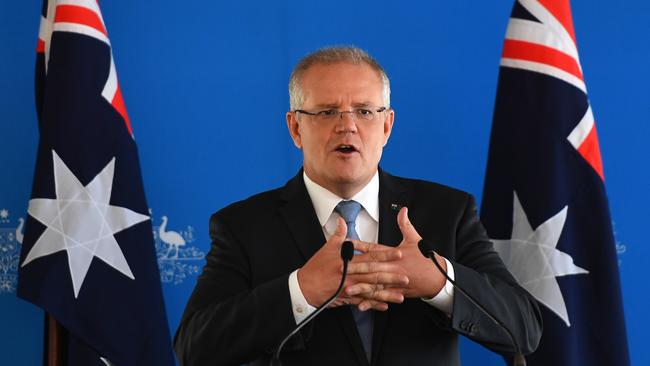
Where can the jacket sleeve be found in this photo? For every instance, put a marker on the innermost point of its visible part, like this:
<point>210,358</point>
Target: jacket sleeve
<point>480,272</point>
<point>228,321</point>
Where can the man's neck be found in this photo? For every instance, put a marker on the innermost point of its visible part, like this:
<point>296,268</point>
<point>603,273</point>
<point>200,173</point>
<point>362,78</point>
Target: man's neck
<point>343,190</point>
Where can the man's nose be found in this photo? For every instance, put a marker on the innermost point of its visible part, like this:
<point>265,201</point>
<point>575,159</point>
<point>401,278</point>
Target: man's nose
<point>346,122</point>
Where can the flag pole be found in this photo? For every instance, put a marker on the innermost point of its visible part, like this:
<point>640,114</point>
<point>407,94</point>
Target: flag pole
<point>53,342</point>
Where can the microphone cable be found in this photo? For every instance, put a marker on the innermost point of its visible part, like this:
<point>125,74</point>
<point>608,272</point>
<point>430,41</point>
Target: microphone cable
<point>347,251</point>
<point>519,359</point>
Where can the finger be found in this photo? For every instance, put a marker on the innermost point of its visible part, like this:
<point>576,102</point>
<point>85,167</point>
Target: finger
<point>380,278</point>
<point>363,290</point>
<point>339,302</point>
<point>365,247</point>
<point>384,255</point>
<point>378,305</point>
<point>387,296</point>
<point>375,292</point>
<point>373,267</point>
<point>356,300</point>
<point>372,304</point>
<point>389,255</point>
<point>400,288</point>
<point>408,230</point>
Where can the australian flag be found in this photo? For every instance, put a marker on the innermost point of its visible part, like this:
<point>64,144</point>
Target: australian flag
<point>88,255</point>
<point>544,202</point>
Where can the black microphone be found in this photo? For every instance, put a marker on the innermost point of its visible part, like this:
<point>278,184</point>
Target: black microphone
<point>519,359</point>
<point>347,251</point>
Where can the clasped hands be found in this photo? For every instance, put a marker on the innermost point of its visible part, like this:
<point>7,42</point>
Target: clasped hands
<point>378,276</point>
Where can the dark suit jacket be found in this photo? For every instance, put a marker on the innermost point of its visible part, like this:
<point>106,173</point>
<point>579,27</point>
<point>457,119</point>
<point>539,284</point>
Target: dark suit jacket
<point>241,309</point>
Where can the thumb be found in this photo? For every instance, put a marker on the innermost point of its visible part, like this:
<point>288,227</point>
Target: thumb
<point>408,230</point>
<point>341,230</point>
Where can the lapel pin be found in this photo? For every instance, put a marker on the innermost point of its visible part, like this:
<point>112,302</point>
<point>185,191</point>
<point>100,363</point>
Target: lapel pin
<point>395,207</point>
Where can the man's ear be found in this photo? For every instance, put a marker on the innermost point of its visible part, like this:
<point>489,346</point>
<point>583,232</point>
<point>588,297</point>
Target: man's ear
<point>294,129</point>
<point>388,124</point>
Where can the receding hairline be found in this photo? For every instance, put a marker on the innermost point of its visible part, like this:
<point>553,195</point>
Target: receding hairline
<point>335,55</point>
<point>331,56</point>
<point>301,73</point>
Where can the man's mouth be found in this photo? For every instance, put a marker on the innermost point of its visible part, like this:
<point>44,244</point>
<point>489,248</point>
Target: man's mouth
<point>346,149</point>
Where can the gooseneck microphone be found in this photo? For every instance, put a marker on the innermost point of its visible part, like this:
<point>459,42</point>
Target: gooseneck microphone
<point>347,251</point>
<point>519,359</point>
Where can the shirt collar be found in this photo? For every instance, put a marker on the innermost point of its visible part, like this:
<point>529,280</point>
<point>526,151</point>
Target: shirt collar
<point>325,201</point>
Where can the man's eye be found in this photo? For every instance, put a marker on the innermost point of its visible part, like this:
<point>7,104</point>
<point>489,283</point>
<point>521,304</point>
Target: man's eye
<point>364,112</point>
<point>328,113</point>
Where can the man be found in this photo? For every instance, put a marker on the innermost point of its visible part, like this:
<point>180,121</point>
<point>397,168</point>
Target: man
<point>275,256</point>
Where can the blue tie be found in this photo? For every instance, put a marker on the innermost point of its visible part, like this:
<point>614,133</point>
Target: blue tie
<point>349,210</point>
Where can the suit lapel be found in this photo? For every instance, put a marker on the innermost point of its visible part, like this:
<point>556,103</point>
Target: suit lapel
<point>392,197</point>
<point>299,215</point>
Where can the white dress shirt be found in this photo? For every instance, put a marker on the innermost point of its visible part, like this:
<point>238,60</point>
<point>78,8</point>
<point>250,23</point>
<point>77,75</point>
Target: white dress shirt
<point>367,225</point>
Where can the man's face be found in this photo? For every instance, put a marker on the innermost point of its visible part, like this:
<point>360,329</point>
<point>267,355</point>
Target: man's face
<point>341,154</point>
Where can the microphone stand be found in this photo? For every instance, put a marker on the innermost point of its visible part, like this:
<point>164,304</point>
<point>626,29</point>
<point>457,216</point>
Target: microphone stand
<point>347,251</point>
<point>518,359</point>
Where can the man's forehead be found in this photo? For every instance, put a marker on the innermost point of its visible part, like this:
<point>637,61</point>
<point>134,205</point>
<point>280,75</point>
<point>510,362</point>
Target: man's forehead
<point>329,85</point>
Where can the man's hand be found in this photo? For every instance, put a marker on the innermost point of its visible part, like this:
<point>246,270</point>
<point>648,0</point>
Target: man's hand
<point>423,279</point>
<point>426,280</point>
<point>320,276</point>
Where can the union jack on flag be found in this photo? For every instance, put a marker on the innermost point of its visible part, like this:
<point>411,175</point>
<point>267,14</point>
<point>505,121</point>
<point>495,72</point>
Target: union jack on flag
<point>88,256</point>
<point>82,17</point>
<point>544,200</point>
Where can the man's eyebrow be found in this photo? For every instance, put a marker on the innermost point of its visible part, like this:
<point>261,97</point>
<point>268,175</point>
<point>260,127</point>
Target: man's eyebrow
<point>336,105</point>
<point>327,106</point>
<point>362,104</point>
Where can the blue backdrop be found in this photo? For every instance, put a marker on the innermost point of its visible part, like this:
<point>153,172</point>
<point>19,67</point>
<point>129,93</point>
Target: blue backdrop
<point>205,86</point>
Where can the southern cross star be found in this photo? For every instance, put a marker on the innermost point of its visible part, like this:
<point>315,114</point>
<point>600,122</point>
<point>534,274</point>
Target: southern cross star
<point>533,259</point>
<point>81,221</point>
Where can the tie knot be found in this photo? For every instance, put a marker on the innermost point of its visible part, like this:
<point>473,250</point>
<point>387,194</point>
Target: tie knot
<point>348,210</point>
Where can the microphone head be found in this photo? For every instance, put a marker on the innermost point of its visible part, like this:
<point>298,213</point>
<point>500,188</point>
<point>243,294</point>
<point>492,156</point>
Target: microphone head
<point>347,250</point>
<point>425,248</point>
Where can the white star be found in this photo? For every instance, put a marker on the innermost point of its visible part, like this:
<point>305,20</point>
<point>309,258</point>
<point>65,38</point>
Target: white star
<point>532,258</point>
<point>82,222</point>
<point>4,213</point>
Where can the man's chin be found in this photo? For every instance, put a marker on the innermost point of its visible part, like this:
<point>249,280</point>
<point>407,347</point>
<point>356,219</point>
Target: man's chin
<point>348,184</point>
<point>347,176</point>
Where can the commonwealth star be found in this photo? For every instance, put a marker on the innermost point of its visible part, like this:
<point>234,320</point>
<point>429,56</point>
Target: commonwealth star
<point>81,221</point>
<point>532,257</point>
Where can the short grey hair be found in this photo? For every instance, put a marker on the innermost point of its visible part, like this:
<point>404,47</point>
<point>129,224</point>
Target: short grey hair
<point>331,55</point>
